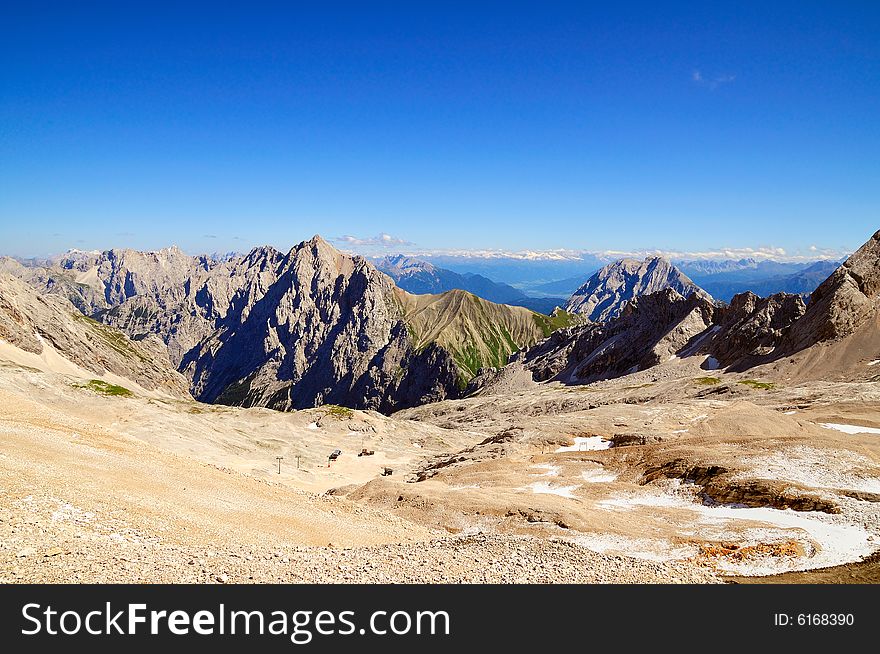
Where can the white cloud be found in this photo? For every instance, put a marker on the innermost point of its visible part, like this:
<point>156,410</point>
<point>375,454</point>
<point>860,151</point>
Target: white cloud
<point>712,83</point>
<point>381,240</point>
<point>766,253</point>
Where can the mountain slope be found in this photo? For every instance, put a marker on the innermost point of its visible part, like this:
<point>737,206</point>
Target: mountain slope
<point>752,328</point>
<point>190,308</point>
<point>478,334</point>
<point>649,330</point>
<point>605,294</point>
<point>326,330</point>
<point>845,301</point>
<point>51,328</point>
<point>331,328</point>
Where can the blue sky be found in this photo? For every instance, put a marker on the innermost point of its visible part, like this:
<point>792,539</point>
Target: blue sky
<point>513,126</point>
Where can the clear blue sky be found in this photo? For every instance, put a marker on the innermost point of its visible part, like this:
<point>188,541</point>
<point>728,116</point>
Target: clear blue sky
<point>540,125</point>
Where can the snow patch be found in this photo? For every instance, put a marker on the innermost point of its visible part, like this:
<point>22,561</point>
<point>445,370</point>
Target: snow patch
<point>546,488</point>
<point>850,429</point>
<point>551,470</point>
<point>810,466</point>
<point>312,425</point>
<point>826,541</point>
<point>598,475</point>
<point>586,444</point>
<point>647,549</point>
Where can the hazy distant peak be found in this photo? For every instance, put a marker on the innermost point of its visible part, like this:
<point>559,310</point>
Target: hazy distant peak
<point>606,293</point>
<point>404,264</point>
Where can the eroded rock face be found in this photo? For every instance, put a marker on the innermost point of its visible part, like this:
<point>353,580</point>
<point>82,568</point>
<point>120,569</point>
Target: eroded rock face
<point>604,296</point>
<point>753,327</point>
<point>34,322</point>
<point>327,331</point>
<point>650,329</point>
<point>195,300</point>
<point>843,302</point>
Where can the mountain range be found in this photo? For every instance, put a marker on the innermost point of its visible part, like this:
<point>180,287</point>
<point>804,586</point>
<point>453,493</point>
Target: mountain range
<point>724,279</point>
<point>830,336</point>
<point>313,326</point>
<point>317,326</point>
<point>421,277</point>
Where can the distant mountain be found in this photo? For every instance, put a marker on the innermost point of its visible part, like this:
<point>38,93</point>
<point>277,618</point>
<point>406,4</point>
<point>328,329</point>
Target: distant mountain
<point>420,277</point>
<point>724,279</point>
<point>522,273</point>
<point>604,296</point>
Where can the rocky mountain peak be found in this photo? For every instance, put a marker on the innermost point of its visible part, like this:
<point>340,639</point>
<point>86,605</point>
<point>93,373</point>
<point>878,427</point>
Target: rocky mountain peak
<point>604,296</point>
<point>845,301</point>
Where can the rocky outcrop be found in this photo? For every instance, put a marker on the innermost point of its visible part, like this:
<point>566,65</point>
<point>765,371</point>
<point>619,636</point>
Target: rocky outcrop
<point>191,301</point>
<point>34,322</point>
<point>606,293</point>
<point>650,329</point>
<point>751,328</point>
<point>842,303</point>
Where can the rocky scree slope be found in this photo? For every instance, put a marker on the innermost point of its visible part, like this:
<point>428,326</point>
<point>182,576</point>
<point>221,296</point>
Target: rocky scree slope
<point>34,322</point>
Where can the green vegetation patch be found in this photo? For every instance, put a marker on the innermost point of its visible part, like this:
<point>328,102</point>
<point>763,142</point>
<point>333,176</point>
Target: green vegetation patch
<point>707,381</point>
<point>111,336</point>
<point>105,388</point>
<point>549,324</point>
<point>338,411</point>
<point>754,383</point>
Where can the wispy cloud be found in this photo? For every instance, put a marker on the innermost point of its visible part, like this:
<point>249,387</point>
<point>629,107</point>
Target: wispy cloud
<point>381,240</point>
<point>209,236</point>
<point>712,82</point>
<point>766,253</point>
